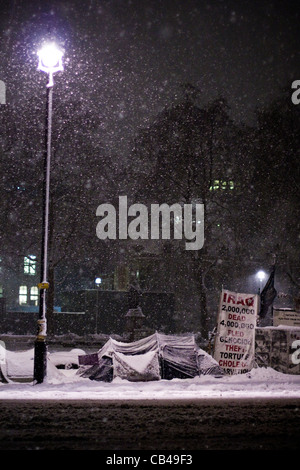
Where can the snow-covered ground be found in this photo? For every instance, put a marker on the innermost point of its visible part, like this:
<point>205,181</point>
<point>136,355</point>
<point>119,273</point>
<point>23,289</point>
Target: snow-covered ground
<point>63,384</point>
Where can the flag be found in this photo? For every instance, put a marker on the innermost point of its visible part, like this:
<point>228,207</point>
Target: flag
<point>267,295</point>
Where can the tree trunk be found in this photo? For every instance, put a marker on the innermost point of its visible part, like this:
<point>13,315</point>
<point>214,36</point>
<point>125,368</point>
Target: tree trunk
<point>198,271</point>
<point>203,306</point>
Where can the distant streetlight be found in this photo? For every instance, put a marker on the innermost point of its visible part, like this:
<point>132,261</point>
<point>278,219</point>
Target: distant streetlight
<point>50,61</point>
<point>261,275</point>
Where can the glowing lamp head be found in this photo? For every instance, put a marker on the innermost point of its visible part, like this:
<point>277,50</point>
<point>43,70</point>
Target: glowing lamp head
<point>50,56</point>
<point>261,275</point>
<point>50,61</point>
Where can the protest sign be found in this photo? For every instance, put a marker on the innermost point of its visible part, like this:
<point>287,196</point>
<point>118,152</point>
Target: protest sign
<point>235,339</point>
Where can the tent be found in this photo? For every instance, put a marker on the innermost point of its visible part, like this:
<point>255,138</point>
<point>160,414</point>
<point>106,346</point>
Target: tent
<point>156,357</point>
<point>3,365</point>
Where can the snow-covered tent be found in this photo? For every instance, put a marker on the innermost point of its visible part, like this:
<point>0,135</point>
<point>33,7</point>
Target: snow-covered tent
<point>3,378</point>
<point>156,357</point>
<point>3,371</point>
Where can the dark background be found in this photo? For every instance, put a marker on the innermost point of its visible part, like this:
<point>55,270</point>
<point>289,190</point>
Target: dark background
<point>129,57</point>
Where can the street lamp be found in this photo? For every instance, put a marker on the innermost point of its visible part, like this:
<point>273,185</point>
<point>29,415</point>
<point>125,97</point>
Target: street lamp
<point>50,61</point>
<point>261,275</point>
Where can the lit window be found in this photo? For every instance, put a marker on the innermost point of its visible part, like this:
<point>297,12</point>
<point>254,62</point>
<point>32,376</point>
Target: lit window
<point>30,265</point>
<point>221,184</point>
<point>1,291</point>
<point>23,295</point>
<point>34,295</point>
<point>216,185</point>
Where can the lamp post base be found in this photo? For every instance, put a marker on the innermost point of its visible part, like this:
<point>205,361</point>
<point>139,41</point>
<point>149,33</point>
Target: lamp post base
<point>40,361</point>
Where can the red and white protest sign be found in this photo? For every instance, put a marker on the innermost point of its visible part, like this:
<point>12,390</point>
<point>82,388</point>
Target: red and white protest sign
<point>235,340</point>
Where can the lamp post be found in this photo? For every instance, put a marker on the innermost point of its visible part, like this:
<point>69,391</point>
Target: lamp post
<point>50,61</point>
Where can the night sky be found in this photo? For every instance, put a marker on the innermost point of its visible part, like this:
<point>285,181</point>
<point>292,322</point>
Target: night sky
<point>128,59</point>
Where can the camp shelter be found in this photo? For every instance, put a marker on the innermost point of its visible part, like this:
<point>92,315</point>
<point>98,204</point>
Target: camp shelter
<point>3,364</point>
<point>155,357</point>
